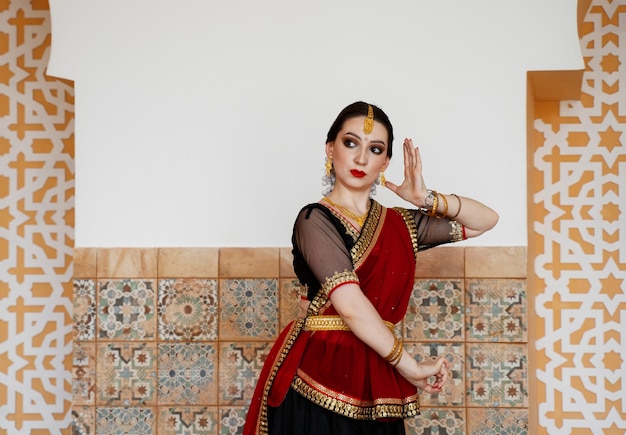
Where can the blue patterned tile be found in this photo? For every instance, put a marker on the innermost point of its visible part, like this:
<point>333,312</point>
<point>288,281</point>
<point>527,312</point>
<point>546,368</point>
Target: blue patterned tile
<point>188,309</point>
<point>240,367</point>
<point>188,420</point>
<point>497,421</point>
<point>126,310</point>
<point>497,375</point>
<point>83,420</point>
<point>437,421</point>
<point>435,311</point>
<point>84,373</point>
<point>496,310</point>
<point>249,309</point>
<point>126,374</point>
<point>187,374</point>
<point>232,420</point>
<point>117,421</point>
<point>84,310</point>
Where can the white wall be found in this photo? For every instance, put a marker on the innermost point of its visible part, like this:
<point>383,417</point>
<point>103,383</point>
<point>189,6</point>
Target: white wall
<point>202,123</point>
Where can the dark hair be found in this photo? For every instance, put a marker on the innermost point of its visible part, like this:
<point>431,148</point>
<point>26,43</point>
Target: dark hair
<point>360,109</point>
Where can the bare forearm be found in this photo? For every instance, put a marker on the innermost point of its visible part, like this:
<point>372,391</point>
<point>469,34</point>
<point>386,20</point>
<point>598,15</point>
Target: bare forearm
<point>475,216</point>
<point>365,322</point>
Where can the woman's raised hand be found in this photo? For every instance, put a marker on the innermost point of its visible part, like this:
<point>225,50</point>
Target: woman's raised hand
<point>413,188</point>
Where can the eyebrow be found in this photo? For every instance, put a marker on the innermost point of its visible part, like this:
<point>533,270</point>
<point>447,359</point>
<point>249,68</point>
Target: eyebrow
<point>349,133</point>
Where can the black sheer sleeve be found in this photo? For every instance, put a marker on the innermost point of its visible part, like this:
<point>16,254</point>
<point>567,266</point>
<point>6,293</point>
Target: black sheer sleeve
<point>432,231</point>
<point>319,249</point>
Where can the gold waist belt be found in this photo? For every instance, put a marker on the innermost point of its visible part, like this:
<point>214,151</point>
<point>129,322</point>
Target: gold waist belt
<point>331,323</point>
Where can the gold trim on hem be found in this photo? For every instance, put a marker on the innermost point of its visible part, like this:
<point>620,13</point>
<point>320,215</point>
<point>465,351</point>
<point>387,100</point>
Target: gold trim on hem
<point>366,411</point>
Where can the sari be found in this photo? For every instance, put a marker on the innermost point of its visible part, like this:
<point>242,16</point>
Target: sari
<point>317,356</point>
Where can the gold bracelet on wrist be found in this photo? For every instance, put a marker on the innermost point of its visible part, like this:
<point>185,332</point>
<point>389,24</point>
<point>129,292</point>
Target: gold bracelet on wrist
<point>459,210</point>
<point>445,207</point>
<point>396,352</point>
<point>396,360</point>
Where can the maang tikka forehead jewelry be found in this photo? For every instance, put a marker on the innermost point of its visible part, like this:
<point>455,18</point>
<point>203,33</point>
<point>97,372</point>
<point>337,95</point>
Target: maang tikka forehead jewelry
<point>368,124</point>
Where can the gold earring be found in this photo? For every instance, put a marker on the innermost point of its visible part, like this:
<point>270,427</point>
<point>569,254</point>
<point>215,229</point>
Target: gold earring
<point>329,165</point>
<point>383,180</point>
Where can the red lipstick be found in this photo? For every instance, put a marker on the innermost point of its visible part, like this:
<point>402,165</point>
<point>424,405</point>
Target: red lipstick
<point>358,174</point>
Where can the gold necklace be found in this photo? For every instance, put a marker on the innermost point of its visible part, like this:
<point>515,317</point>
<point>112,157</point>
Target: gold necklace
<point>358,219</point>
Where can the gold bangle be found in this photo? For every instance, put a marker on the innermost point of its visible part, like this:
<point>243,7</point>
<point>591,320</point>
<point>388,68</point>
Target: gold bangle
<point>394,349</point>
<point>396,360</point>
<point>445,207</point>
<point>459,210</point>
<point>433,211</point>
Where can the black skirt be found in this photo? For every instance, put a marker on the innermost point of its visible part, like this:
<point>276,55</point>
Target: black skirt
<point>299,416</point>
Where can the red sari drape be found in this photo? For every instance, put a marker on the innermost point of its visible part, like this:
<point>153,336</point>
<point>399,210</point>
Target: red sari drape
<point>334,368</point>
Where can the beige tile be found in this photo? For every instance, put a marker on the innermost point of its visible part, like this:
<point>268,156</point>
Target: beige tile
<point>127,262</point>
<point>496,262</point>
<point>441,262</point>
<point>188,262</point>
<point>85,262</point>
<point>286,263</point>
<point>249,262</point>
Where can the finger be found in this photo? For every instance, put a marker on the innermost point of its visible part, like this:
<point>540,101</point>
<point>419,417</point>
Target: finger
<point>418,160</point>
<point>409,160</point>
<point>391,186</point>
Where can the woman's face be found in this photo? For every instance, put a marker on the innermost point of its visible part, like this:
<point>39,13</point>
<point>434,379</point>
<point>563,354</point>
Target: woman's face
<point>358,158</point>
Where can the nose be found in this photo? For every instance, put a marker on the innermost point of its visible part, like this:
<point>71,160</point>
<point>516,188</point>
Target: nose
<point>360,157</point>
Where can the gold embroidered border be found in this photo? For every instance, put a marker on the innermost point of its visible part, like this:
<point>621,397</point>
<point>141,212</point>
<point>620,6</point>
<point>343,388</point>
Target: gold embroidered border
<point>456,231</point>
<point>331,323</point>
<point>337,279</point>
<point>359,410</point>
<point>409,220</point>
<point>262,424</point>
<point>370,231</point>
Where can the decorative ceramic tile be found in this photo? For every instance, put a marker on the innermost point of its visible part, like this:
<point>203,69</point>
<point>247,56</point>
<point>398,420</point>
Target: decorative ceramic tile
<point>454,392</point>
<point>498,421</point>
<point>290,291</point>
<point>84,313</point>
<point>83,420</point>
<point>188,420</point>
<point>187,309</point>
<point>116,421</point>
<point>126,374</point>
<point>497,375</point>
<point>84,373</point>
<point>496,310</point>
<point>126,310</point>
<point>187,374</point>
<point>437,421</point>
<point>248,309</point>
<point>232,420</point>
<point>240,366</point>
<point>435,311</point>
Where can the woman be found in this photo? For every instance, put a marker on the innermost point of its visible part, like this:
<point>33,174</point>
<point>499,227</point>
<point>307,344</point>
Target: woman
<point>341,369</point>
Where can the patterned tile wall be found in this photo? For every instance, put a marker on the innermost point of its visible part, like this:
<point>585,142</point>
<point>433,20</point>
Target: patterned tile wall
<point>171,341</point>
